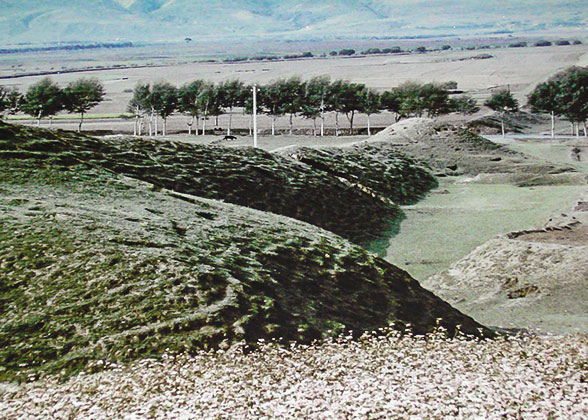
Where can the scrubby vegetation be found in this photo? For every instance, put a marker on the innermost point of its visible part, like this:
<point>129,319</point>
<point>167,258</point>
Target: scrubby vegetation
<point>451,151</point>
<point>244,176</point>
<point>346,51</point>
<point>383,172</point>
<point>67,47</point>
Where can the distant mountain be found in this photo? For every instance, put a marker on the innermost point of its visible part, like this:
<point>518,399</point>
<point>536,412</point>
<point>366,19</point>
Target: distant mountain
<point>166,20</point>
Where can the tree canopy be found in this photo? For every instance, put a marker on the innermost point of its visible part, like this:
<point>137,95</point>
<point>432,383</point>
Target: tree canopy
<point>502,102</point>
<point>189,101</point>
<point>371,105</point>
<point>573,94</point>
<point>465,105</point>
<point>565,94</point>
<point>43,99</point>
<point>82,95</point>
<point>231,94</point>
<point>164,97</point>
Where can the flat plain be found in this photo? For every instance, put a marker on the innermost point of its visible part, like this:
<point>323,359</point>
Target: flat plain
<point>518,69</point>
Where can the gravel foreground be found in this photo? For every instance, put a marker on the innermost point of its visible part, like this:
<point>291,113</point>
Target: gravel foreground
<point>390,376</point>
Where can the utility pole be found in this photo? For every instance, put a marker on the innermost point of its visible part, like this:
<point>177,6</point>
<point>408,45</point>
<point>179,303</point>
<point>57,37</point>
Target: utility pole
<point>254,115</point>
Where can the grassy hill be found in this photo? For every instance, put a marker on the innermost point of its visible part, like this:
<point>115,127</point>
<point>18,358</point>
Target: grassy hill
<point>254,178</point>
<point>97,264</point>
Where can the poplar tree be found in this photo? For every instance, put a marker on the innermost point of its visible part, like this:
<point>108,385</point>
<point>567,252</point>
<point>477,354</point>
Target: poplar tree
<point>504,103</point>
<point>371,105</point>
<point>83,95</point>
<point>43,99</point>
<point>231,95</point>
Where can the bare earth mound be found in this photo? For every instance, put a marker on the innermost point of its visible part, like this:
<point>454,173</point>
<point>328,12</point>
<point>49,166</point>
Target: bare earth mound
<point>452,151</point>
<point>535,279</point>
<point>96,265</point>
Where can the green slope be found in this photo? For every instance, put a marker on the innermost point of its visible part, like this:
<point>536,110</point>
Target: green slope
<point>95,265</point>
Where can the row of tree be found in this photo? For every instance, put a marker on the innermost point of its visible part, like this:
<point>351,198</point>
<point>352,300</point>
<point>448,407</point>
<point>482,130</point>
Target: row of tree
<point>201,100</point>
<point>45,99</point>
<point>565,94</point>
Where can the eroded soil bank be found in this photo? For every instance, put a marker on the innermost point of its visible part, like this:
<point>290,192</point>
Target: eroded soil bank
<point>510,254</point>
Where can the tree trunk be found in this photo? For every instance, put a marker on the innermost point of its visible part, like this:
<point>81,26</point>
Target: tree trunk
<point>39,119</point>
<point>81,122</point>
<point>314,127</point>
<point>322,116</point>
<point>230,121</point>
<point>577,129</point>
<point>351,122</point>
<point>156,122</point>
<point>151,124</point>
<point>291,124</point>
<point>502,126</point>
<point>369,127</point>
<point>585,130</point>
<point>273,125</point>
<point>136,126</point>
<point>51,121</point>
<point>141,123</point>
<point>336,124</point>
<point>552,124</point>
<point>204,119</point>
<point>216,120</point>
<point>164,125</point>
<point>190,125</point>
<point>573,132</point>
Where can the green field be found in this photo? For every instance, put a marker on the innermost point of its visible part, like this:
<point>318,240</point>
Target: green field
<point>456,218</point>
